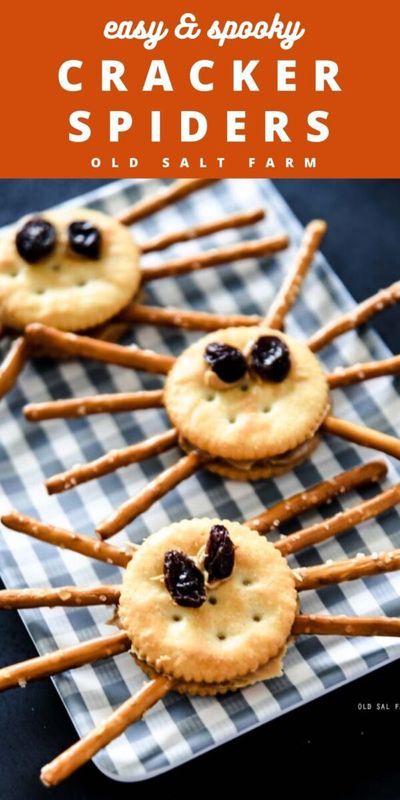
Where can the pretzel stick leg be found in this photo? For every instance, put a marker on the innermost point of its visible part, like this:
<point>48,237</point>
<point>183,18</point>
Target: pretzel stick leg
<point>165,197</point>
<point>364,372</point>
<point>73,344</point>
<point>94,404</point>
<point>63,596</point>
<point>360,314</point>
<point>346,626</point>
<point>213,258</point>
<point>60,660</point>
<point>319,494</point>
<point>361,434</point>
<point>287,295</point>
<point>347,570</point>
<point>13,364</point>
<point>167,480</point>
<point>340,522</point>
<point>239,220</point>
<point>62,538</point>
<point>190,320</point>
<point>112,461</point>
<point>130,711</point>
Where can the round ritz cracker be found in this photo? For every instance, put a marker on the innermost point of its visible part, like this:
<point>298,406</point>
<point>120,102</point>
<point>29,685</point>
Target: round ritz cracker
<point>243,626</point>
<point>65,289</point>
<point>273,669</point>
<point>253,420</point>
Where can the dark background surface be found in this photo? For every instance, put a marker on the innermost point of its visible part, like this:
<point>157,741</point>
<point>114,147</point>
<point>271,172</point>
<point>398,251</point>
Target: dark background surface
<point>328,748</point>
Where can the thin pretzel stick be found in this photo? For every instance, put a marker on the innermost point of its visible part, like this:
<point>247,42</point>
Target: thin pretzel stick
<point>73,344</point>
<point>13,364</point>
<point>112,461</point>
<point>346,626</point>
<point>82,751</point>
<point>287,295</point>
<point>238,220</point>
<point>364,372</point>
<point>317,495</point>
<point>361,434</point>
<point>156,489</point>
<point>60,660</point>
<point>359,315</point>
<point>63,596</point>
<point>93,404</point>
<point>212,258</point>
<point>165,197</point>
<point>346,570</point>
<point>62,538</point>
<point>340,522</point>
<point>192,320</point>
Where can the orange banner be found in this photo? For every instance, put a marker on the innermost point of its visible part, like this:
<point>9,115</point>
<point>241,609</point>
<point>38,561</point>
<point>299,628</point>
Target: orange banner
<point>214,89</point>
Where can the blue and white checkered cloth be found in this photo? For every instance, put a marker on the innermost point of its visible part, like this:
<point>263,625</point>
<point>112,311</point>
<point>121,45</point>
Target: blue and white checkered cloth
<point>179,728</point>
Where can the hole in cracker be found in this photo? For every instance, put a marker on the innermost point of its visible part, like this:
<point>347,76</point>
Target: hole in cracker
<point>247,582</point>
<point>257,618</point>
<point>56,267</point>
<point>221,636</point>
<point>232,420</point>
<point>210,398</point>
<point>82,283</point>
<point>213,601</point>
<point>40,291</point>
<point>266,410</point>
<point>176,618</point>
<point>244,388</point>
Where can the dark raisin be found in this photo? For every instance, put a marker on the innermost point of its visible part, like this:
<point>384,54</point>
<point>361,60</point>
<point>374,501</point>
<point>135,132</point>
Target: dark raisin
<point>219,557</point>
<point>85,239</point>
<point>183,579</point>
<point>226,361</point>
<point>36,239</point>
<point>270,358</point>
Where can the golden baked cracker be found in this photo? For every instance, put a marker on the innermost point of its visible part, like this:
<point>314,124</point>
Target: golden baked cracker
<point>65,289</point>
<point>253,419</point>
<point>245,622</point>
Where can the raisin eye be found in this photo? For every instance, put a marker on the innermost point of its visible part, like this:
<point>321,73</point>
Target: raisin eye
<point>270,359</point>
<point>85,239</point>
<point>219,555</point>
<point>35,240</point>
<point>226,361</point>
<point>183,579</point>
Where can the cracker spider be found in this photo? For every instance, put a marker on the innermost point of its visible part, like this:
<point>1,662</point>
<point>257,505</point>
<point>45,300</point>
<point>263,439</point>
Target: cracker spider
<point>206,606</point>
<point>79,270</point>
<point>244,402</point>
